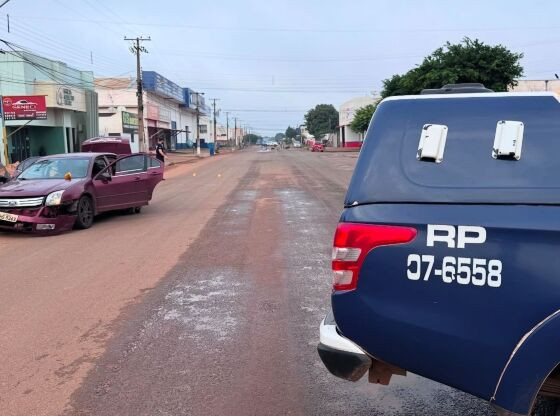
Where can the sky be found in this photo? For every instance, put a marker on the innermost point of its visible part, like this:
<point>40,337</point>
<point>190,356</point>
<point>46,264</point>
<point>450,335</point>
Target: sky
<point>268,62</point>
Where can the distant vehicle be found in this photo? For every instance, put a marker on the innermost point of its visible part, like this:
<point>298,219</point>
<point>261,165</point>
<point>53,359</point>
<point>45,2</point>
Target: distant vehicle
<point>56,193</point>
<point>297,145</point>
<point>317,147</point>
<point>445,258</point>
<point>110,144</point>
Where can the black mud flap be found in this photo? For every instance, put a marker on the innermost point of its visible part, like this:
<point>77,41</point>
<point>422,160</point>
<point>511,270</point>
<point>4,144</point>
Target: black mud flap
<point>347,365</point>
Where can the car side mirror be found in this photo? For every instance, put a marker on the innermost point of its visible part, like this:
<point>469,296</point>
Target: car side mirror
<point>105,176</point>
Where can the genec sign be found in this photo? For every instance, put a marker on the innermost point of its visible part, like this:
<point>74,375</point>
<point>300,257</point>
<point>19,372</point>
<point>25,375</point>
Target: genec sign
<point>24,107</point>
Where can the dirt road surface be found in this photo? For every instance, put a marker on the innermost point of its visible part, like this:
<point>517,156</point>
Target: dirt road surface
<point>207,303</point>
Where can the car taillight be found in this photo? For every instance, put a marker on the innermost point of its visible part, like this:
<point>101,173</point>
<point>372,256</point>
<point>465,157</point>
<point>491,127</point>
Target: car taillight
<point>352,243</point>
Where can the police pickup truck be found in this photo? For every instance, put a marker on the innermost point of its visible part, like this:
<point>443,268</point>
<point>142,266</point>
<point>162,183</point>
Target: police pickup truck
<point>446,256</point>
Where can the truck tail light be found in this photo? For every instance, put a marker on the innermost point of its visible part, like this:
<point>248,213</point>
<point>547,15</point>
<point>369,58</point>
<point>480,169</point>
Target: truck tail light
<point>352,243</point>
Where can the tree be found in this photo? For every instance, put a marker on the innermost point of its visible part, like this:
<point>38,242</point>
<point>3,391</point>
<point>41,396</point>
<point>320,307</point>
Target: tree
<point>279,137</point>
<point>469,61</point>
<point>321,120</point>
<point>291,133</point>
<point>251,138</point>
<point>362,117</point>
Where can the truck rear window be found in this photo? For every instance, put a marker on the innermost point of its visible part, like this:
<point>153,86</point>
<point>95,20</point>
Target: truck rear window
<point>470,171</point>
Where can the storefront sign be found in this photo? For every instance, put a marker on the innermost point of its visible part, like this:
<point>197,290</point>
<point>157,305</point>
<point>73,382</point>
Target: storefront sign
<point>23,107</point>
<point>154,82</point>
<point>152,112</point>
<point>129,121</point>
<point>64,97</point>
<point>61,96</point>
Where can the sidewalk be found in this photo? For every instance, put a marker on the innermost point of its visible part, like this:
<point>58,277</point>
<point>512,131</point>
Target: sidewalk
<point>184,156</point>
<point>343,149</point>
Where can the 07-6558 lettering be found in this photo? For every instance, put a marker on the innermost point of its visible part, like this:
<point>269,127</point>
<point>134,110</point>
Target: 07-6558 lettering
<point>461,270</point>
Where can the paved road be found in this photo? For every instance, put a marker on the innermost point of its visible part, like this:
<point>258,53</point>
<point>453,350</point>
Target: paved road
<point>208,303</point>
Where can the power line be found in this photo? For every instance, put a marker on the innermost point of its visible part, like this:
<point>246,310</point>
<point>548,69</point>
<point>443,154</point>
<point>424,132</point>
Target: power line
<point>266,111</point>
<point>63,78</point>
<point>259,58</point>
<point>244,28</point>
<point>292,90</point>
<point>54,44</point>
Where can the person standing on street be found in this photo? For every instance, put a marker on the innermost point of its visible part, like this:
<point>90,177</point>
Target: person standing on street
<point>160,151</point>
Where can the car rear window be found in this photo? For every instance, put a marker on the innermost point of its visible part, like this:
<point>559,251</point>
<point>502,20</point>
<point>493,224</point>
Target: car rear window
<point>388,169</point>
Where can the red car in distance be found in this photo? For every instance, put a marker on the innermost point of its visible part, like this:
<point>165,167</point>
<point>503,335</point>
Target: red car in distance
<point>318,147</point>
<point>59,192</point>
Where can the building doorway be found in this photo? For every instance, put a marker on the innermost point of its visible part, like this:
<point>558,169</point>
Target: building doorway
<point>68,140</point>
<point>76,145</point>
<point>20,148</point>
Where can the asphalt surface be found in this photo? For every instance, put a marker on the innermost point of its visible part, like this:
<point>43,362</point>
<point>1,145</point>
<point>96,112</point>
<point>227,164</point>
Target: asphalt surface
<point>207,303</point>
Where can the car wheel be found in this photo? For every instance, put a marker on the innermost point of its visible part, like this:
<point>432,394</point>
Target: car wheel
<point>84,213</point>
<point>545,406</point>
<point>137,210</point>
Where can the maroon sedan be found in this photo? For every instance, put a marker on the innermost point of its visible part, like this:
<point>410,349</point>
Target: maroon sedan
<point>59,192</point>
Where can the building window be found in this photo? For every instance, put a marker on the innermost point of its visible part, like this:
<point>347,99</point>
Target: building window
<point>203,128</point>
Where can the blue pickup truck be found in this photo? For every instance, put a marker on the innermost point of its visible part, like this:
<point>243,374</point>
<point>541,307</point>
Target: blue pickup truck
<point>446,256</point>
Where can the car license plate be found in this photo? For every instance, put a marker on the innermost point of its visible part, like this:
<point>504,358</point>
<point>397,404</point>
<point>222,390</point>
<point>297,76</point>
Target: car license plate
<point>4,216</point>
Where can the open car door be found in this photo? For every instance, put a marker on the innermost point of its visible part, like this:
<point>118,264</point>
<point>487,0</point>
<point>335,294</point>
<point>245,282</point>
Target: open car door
<point>123,184</point>
<point>155,174</point>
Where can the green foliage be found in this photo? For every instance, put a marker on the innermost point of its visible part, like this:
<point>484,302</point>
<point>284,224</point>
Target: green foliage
<point>279,137</point>
<point>251,138</point>
<point>321,120</point>
<point>362,118</point>
<point>469,61</point>
<point>291,133</point>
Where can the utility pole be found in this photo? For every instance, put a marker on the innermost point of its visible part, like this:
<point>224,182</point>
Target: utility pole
<point>214,107</point>
<point>198,122</point>
<point>137,49</point>
<point>227,129</point>
<point>235,133</point>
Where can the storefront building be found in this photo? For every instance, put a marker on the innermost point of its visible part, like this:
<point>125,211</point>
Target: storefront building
<point>346,136</point>
<point>70,99</point>
<point>169,110</point>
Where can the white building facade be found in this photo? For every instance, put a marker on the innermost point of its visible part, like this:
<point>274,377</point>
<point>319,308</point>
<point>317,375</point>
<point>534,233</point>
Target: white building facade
<point>346,136</point>
<point>170,111</point>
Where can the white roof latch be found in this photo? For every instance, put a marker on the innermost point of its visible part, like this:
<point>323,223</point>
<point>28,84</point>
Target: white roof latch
<point>508,140</point>
<point>432,143</point>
